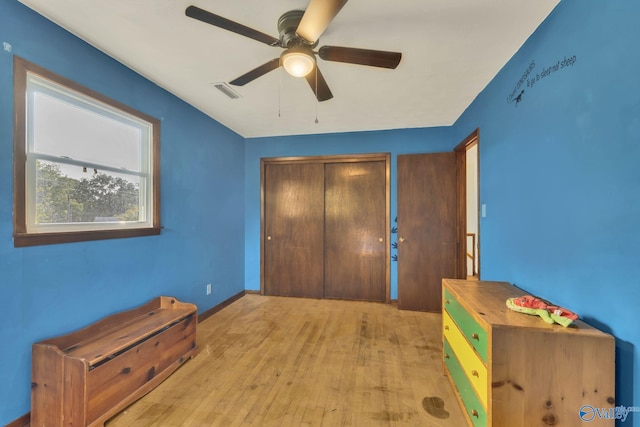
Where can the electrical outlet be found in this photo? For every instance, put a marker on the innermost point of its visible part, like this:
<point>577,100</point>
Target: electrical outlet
<point>209,289</point>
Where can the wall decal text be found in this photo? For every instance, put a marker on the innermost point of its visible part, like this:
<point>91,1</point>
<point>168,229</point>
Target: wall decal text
<point>531,79</point>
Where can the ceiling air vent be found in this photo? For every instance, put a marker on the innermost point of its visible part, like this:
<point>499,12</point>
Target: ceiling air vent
<point>226,89</point>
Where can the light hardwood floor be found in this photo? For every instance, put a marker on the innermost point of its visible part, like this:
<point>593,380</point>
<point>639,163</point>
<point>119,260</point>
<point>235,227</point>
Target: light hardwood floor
<point>272,361</point>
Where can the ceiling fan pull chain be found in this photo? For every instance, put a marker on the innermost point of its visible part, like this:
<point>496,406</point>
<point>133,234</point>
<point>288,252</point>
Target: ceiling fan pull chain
<point>279,92</point>
<point>316,67</point>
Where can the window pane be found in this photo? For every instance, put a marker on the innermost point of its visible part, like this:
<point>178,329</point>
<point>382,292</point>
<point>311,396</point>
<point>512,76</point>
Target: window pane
<point>95,197</point>
<point>66,130</point>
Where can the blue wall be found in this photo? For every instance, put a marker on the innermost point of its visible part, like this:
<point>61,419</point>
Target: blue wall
<point>560,172</point>
<point>403,141</point>
<point>50,290</point>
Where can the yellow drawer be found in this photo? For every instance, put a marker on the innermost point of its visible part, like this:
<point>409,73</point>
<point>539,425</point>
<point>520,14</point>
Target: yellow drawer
<point>476,335</point>
<point>471,363</point>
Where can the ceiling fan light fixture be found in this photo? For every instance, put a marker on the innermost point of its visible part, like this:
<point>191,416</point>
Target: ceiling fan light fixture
<point>298,61</point>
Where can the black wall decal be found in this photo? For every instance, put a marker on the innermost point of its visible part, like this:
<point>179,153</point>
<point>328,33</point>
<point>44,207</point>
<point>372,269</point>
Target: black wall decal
<point>531,78</point>
<point>394,243</point>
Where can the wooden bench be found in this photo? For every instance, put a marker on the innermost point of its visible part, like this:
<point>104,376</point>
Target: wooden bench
<point>85,377</point>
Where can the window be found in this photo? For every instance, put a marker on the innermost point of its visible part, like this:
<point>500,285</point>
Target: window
<point>85,167</point>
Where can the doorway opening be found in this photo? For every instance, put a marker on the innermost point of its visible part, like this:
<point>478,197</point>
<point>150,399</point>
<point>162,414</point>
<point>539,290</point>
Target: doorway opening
<point>468,166</point>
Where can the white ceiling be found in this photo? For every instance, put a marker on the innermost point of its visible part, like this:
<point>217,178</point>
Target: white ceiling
<point>451,50</point>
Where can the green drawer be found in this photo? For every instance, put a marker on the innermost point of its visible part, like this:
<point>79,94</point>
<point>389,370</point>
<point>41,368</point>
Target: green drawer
<point>472,331</point>
<point>472,405</point>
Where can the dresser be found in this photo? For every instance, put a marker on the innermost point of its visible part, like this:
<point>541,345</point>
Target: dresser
<point>510,369</point>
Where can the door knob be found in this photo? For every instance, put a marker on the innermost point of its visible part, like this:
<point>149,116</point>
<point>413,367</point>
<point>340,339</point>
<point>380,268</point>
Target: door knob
<point>380,239</point>
<point>401,239</point>
<point>268,237</point>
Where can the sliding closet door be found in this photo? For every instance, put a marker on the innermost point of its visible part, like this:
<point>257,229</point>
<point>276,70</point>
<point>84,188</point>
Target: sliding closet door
<point>294,229</point>
<point>355,231</point>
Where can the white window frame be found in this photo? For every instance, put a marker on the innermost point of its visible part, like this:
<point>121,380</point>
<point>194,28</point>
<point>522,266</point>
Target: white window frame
<point>29,79</point>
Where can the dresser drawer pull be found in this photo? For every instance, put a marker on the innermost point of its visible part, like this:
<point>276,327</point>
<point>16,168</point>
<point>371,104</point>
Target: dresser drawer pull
<point>475,336</point>
<point>446,356</point>
<point>447,301</point>
<point>475,373</point>
<point>474,413</point>
<point>446,327</point>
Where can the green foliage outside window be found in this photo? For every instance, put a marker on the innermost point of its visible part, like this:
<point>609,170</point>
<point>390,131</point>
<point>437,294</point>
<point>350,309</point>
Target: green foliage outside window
<point>102,197</point>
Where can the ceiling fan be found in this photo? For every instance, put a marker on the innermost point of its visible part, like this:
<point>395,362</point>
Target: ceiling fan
<point>299,31</point>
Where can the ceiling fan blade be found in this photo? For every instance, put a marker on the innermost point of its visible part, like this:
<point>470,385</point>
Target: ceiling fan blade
<point>226,24</point>
<point>323,93</point>
<point>256,72</point>
<point>317,18</point>
<point>351,55</point>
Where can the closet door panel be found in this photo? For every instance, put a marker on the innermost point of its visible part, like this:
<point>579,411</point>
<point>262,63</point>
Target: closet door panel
<point>294,229</point>
<point>355,231</point>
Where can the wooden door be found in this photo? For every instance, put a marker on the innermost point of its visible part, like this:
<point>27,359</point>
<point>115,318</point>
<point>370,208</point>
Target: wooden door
<point>355,231</point>
<point>294,229</point>
<point>427,228</point>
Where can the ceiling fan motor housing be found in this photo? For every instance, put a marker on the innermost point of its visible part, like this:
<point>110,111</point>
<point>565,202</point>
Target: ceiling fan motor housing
<point>287,26</point>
